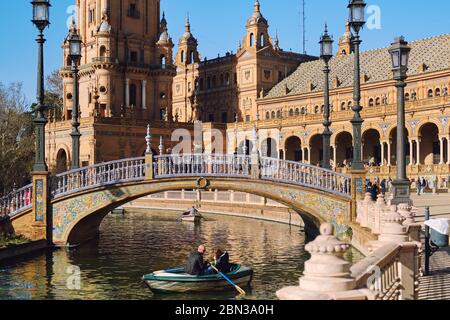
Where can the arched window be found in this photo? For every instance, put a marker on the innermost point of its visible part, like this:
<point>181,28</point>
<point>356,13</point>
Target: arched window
<point>102,51</point>
<point>261,40</point>
<point>343,106</point>
<point>316,109</point>
<point>163,60</point>
<point>273,115</point>
<point>297,112</point>
<point>267,115</point>
<point>278,114</point>
<point>252,39</point>
<point>371,102</point>
<point>322,109</point>
<point>291,113</point>
<point>377,101</point>
<point>303,111</point>
<point>437,93</point>
<point>182,56</point>
<point>430,93</point>
<point>192,56</point>
<point>227,79</point>
<point>350,104</point>
<point>407,97</point>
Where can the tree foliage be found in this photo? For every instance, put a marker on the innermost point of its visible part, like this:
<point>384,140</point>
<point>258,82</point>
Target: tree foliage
<point>16,138</point>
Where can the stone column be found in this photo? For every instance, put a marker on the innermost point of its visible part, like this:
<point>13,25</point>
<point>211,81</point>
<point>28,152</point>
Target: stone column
<point>326,274</point>
<point>144,94</point>
<point>303,155</point>
<point>448,150</point>
<point>411,152</point>
<point>382,154</point>
<point>389,154</point>
<point>127,92</point>
<point>309,154</point>
<point>441,150</point>
<point>334,156</point>
<point>418,152</point>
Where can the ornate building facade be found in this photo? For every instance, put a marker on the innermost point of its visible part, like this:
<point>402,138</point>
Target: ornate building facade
<point>125,81</point>
<point>221,89</point>
<point>291,114</point>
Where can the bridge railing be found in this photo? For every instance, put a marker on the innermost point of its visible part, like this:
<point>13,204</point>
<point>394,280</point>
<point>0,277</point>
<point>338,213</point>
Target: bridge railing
<point>305,175</point>
<point>98,175</point>
<point>168,166</point>
<point>17,201</point>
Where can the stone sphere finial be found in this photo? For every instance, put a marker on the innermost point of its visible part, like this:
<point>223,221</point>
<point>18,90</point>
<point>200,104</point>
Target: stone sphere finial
<point>326,243</point>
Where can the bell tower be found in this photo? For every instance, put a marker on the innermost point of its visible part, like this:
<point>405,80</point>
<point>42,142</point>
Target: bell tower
<point>257,36</point>
<point>187,48</point>
<point>345,42</point>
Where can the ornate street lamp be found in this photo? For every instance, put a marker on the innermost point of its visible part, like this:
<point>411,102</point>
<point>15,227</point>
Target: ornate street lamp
<point>399,52</point>
<point>357,21</point>
<point>41,21</point>
<point>326,53</point>
<point>75,56</point>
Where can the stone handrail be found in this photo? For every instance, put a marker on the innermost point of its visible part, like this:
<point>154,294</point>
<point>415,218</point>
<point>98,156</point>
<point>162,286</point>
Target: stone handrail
<point>170,166</point>
<point>380,273</point>
<point>305,175</point>
<point>17,201</point>
<point>108,173</point>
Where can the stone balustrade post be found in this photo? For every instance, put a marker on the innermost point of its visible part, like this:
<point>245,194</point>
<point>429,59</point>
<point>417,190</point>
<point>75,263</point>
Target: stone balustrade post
<point>149,174</point>
<point>255,157</point>
<point>327,275</point>
<point>392,228</point>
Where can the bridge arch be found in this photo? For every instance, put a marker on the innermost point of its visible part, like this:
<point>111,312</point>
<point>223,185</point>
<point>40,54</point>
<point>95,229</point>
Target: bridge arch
<point>77,218</point>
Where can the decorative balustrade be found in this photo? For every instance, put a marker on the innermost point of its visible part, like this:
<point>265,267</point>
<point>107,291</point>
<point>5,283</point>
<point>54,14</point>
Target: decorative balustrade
<point>108,173</point>
<point>168,166</point>
<point>305,175</point>
<point>16,201</point>
<point>380,273</point>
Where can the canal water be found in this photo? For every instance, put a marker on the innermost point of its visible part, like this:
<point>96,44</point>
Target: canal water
<point>111,267</point>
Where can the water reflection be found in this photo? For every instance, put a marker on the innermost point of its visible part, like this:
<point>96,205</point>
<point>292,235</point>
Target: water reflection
<point>131,246</point>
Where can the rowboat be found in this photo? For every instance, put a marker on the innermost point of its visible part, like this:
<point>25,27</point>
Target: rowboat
<point>180,282</point>
<point>192,218</point>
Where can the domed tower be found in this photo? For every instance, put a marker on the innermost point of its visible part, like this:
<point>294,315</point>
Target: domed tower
<point>165,44</point>
<point>345,42</point>
<point>257,36</point>
<point>187,48</point>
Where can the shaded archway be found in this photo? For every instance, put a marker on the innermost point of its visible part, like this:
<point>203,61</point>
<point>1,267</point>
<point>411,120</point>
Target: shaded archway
<point>393,149</point>
<point>249,147</point>
<point>316,145</point>
<point>293,149</point>
<point>429,144</point>
<point>269,148</point>
<point>61,161</point>
<point>344,148</point>
<point>372,146</point>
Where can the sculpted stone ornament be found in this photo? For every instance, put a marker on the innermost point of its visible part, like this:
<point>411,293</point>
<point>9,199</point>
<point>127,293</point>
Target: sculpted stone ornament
<point>392,229</point>
<point>202,183</point>
<point>326,273</point>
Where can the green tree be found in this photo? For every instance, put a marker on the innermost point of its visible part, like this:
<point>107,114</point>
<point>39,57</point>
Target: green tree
<point>54,95</point>
<point>16,138</point>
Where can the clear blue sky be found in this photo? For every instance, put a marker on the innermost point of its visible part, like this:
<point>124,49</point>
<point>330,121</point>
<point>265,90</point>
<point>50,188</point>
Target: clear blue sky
<point>219,26</point>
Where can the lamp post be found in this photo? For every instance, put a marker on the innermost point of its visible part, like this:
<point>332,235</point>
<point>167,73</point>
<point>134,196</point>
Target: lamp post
<point>75,57</point>
<point>399,52</point>
<point>41,21</point>
<point>326,53</point>
<point>357,21</point>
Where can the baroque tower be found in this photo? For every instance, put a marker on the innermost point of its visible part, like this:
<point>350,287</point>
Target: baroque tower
<point>126,66</point>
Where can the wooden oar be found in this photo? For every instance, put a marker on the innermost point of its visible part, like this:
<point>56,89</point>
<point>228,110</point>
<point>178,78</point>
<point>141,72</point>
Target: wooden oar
<point>239,289</point>
<point>168,271</point>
